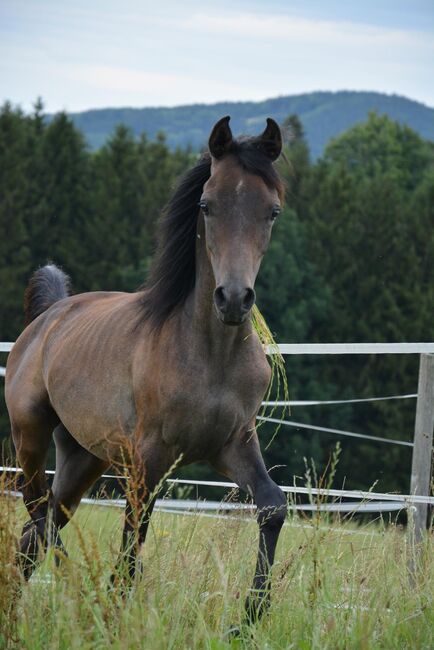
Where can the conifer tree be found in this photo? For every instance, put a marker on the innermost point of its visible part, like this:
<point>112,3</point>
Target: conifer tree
<point>64,175</point>
<point>368,239</point>
<point>14,241</point>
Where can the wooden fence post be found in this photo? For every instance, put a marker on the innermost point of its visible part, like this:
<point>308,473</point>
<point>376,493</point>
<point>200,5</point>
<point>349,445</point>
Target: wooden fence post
<point>423,440</point>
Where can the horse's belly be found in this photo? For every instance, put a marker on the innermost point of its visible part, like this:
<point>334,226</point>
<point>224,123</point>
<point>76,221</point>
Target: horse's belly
<point>101,421</point>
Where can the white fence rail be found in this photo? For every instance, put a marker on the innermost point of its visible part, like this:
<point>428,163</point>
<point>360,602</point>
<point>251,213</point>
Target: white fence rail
<point>362,501</point>
<point>423,436</point>
<point>351,348</point>
<point>363,495</point>
<point>328,348</point>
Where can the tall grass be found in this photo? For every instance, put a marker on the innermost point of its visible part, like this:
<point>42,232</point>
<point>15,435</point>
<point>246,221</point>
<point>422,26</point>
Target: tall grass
<point>336,585</point>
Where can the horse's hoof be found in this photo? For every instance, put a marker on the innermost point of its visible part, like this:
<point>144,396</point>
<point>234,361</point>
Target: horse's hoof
<point>243,631</point>
<point>60,555</point>
<point>234,632</point>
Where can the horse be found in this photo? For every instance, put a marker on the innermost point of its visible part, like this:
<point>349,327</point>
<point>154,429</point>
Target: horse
<point>175,370</point>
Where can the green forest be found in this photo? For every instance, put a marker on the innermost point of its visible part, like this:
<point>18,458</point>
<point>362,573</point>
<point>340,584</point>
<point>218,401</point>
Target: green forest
<point>351,260</point>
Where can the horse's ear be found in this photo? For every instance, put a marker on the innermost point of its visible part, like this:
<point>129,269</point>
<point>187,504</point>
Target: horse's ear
<point>220,140</point>
<point>270,141</point>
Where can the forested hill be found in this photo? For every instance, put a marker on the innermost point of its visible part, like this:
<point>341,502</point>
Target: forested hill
<point>323,114</point>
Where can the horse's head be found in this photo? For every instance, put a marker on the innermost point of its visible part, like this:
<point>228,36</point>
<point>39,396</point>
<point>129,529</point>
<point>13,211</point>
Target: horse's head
<point>240,203</point>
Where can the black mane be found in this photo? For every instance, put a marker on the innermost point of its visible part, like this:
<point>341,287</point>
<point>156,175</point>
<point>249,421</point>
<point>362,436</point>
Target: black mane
<point>173,271</point>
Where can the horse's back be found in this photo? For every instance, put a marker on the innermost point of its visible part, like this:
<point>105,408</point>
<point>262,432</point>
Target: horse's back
<point>60,324</point>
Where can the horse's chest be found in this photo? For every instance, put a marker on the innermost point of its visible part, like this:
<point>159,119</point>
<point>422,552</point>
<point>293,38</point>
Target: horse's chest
<point>198,422</point>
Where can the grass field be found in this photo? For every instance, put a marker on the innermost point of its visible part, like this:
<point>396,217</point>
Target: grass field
<point>335,585</point>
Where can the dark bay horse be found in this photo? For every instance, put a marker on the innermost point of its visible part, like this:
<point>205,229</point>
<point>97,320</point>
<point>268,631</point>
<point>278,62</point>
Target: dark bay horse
<point>174,369</point>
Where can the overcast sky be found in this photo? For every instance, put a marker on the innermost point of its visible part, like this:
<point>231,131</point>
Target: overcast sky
<point>81,54</point>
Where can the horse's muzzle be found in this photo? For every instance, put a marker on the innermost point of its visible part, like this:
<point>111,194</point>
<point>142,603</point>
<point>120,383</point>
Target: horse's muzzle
<point>233,304</point>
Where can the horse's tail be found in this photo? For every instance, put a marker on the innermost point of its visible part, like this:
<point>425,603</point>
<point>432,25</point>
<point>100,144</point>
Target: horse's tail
<point>46,286</point>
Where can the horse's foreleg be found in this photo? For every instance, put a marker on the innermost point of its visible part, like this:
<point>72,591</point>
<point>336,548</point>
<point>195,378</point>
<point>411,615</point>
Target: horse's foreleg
<point>241,461</point>
<point>138,512</point>
<point>140,500</point>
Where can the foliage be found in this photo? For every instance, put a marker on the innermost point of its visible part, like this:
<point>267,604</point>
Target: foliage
<point>350,258</point>
<point>372,234</point>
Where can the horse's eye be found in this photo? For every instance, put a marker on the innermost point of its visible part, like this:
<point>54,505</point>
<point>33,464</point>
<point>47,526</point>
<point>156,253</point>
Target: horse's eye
<point>204,207</point>
<point>275,213</point>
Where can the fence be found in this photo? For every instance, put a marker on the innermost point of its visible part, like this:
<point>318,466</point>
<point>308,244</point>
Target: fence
<point>420,481</point>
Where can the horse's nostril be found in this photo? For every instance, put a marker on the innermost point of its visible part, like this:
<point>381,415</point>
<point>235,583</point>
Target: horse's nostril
<point>249,299</point>
<point>234,301</point>
<point>220,297</point>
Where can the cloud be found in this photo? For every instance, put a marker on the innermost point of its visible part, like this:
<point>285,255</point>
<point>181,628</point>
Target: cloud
<point>84,55</point>
<point>122,79</point>
<point>297,30</point>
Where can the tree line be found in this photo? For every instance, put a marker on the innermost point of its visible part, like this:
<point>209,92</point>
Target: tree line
<point>350,261</point>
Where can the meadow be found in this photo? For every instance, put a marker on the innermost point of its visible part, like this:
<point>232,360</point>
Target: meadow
<point>337,584</point>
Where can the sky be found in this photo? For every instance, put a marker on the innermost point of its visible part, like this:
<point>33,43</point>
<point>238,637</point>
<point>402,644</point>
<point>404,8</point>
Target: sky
<point>82,54</point>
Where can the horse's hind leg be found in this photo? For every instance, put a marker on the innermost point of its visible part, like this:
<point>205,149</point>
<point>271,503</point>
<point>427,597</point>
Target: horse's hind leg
<point>31,434</point>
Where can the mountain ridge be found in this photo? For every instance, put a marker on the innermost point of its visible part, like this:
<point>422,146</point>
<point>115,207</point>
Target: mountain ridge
<point>324,115</point>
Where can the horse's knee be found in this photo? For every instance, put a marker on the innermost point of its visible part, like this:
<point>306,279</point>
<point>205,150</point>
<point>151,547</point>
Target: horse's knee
<point>272,517</point>
<point>272,514</point>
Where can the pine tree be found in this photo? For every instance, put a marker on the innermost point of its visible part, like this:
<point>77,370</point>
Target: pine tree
<point>295,163</point>
<point>132,182</point>
<point>14,243</point>
<point>62,167</point>
<point>368,240</point>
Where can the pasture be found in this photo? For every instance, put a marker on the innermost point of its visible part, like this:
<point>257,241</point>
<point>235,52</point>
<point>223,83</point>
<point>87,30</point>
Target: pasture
<point>337,584</point>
